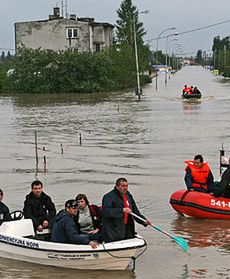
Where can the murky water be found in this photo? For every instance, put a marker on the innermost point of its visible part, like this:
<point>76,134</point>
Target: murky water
<point>145,141</point>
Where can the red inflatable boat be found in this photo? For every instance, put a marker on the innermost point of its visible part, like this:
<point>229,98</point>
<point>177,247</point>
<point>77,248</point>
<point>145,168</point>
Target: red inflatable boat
<point>200,205</point>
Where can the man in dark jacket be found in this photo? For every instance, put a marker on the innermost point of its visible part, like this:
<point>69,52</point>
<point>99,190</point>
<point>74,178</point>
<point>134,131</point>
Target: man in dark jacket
<point>223,187</point>
<point>64,228</point>
<point>4,210</point>
<point>117,222</point>
<point>39,207</point>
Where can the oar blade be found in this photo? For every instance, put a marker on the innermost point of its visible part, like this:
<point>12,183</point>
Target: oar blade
<point>183,243</point>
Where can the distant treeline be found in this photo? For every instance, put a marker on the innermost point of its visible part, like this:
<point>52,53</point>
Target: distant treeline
<point>47,71</point>
<point>220,57</point>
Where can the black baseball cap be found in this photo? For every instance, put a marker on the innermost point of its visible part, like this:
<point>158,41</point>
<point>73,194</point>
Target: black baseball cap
<point>71,203</point>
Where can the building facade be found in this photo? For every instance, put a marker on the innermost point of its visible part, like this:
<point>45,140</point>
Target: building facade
<point>58,34</point>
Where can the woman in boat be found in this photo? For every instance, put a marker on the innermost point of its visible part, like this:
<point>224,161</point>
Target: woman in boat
<point>88,218</point>
<point>198,175</point>
<point>4,210</point>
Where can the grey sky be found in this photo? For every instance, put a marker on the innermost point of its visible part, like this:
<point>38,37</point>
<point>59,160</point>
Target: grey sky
<point>185,15</point>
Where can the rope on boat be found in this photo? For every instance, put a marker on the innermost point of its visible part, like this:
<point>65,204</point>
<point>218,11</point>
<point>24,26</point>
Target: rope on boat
<point>132,258</point>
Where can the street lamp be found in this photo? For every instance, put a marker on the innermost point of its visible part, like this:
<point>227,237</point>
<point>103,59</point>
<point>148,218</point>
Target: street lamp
<point>166,55</point>
<point>169,50</point>
<point>138,92</point>
<point>159,36</point>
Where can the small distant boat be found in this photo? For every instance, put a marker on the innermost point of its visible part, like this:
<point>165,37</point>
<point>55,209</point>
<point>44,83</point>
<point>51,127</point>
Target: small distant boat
<point>200,205</point>
<point>18,242</point>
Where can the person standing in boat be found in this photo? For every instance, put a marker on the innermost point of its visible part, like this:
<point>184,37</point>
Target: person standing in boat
<point>198,175</point>
<point>88,217</point>
<point>64,228</point>
<point>4,210</point>
<point>222,188</point>
<point>117,222</point>
<point>39,207</point>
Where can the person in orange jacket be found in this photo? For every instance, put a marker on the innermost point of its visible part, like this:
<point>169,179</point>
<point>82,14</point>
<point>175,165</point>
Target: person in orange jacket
<point>198,175</point>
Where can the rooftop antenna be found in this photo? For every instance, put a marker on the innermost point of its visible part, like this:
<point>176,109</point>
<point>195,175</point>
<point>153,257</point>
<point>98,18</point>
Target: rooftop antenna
<point>62,8</point>
<point>66,13</point>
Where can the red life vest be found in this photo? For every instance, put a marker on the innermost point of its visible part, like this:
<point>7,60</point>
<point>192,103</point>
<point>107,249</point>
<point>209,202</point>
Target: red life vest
<point>187,90</point>
<point>199,175</point>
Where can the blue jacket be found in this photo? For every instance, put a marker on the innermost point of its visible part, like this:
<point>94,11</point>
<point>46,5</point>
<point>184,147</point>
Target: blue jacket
<point>113,227</point>
<point>64,230</point>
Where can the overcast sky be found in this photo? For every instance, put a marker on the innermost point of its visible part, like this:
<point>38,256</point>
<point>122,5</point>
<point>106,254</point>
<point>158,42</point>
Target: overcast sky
<point>185,15</point>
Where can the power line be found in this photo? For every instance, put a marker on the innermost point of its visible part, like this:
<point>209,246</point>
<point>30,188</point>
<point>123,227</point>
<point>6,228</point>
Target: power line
<point>197,29</point>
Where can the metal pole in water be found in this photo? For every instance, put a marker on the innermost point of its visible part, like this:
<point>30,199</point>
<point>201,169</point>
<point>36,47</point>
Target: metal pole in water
<point>80,138</point>
<point>44,158</point>
<point>36,149</point>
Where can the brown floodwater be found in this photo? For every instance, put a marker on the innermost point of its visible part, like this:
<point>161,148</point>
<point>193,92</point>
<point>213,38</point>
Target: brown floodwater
<point>145,141</point>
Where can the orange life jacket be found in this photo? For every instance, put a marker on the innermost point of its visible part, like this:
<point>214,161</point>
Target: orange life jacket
<point>187,90</point>
<point>199,175</point>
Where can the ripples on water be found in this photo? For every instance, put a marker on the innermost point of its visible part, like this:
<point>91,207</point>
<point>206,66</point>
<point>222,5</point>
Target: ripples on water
<point>145,141</point>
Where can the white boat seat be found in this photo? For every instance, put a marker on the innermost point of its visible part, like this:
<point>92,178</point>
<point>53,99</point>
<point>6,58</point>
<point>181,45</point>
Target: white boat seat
<point>23,227</point>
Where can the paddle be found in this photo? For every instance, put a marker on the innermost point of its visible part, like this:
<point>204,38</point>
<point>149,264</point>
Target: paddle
<point>179,240</point>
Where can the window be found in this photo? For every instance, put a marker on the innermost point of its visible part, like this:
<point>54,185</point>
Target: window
<point>98,47</point>
<point>72,33</point>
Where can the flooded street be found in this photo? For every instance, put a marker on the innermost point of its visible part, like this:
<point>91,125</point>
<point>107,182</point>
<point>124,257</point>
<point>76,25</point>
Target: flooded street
<point>145,141</point>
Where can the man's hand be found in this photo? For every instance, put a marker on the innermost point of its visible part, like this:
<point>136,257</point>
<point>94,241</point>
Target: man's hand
<point>148,223</point>
<point>94,231</point>
<point>40,228</point>
<point>93,244</point>
<point>127,210</point>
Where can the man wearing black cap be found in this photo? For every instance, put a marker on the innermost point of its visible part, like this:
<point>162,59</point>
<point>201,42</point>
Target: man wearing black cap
<point>64,228</point>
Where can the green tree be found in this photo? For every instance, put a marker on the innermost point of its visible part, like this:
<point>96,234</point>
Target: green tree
<point>3,77</point>
<point>127,21</point>
<point>198,58</point>
<point>126,25</point>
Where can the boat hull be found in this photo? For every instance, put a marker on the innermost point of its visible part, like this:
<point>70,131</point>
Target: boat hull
<point>200,205</point>
<point>109,256</point>
<point>191,96</point>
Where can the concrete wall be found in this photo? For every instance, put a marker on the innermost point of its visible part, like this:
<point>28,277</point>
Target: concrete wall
<point>51,34</point>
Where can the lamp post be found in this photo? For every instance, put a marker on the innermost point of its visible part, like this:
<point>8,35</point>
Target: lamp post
<point>138,91</point>
<point>169,49</point>
<point>166,55</point>
<point>159,36</point>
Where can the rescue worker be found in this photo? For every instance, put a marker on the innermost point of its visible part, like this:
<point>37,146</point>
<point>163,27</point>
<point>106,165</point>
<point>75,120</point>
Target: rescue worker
<point>117,221</point>
<point>198,175</point>
<point>222,188</point>
<point>186,90</point>
<point>196,91</point>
